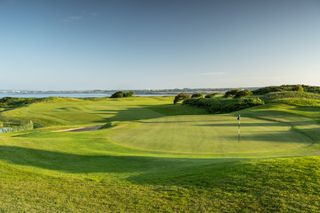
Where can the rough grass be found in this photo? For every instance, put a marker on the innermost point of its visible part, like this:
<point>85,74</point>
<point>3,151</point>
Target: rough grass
<point>276,96</point>
<point>159,157</point>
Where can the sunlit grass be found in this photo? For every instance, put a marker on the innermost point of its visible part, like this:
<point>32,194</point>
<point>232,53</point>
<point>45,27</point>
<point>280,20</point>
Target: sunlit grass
<point>156,156</point>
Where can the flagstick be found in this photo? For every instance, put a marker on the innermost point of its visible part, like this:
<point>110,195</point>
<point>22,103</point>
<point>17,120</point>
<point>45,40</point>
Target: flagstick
<point>239,131</point>
<point>239,125</point>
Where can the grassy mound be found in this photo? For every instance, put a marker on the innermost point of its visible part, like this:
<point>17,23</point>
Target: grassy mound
<point>275,96</point>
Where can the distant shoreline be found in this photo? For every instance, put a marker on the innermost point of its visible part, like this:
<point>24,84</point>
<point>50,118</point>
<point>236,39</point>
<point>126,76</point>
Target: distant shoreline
<point>106,93</point>
<point>69,95</point>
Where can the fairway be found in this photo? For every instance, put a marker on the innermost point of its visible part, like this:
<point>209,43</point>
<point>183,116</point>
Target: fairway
<point>146,154</point>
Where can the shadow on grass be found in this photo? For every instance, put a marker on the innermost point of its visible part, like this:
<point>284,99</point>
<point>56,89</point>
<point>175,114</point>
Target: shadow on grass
<point>144,170</point>
<point>243,177</point>
<point>315,109</point>
<point>256,124</point>
<point>76,163</point>
<point>227,173</point>
<point>149,112</point>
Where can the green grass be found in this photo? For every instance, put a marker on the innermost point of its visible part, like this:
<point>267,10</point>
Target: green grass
<point>215,134</point>
<point>159,157</point>
<point>276,96</point>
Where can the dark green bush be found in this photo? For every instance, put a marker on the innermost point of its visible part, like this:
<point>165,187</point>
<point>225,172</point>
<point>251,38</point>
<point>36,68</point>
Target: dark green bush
<point>121,94</point>
<point>211,95</point>
<point>181,97</point>
<point>128,94</point>
<point>118,94</point>
<point>266,90</point>
<point>313,89</point>
<point>197,95</point>
<point>243,93</point>
<point>220,105</point>
<point>231,93</point>
<point>10,102</point>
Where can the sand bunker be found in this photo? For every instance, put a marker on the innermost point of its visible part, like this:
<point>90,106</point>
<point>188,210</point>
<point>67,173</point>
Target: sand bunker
<point>79,129</point>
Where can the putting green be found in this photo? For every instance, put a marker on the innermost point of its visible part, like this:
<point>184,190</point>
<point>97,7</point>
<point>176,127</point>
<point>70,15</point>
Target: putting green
<point>213,134</point>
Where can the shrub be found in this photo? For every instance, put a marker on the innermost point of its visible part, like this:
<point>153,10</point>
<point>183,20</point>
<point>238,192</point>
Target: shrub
<point>128,94</point>
<point>211,95</point>
<point>180,97</point>
<point>197,95</point>
<point>253,101</point>
<point>266,90</point>
<point>121,94</point>
<point>287,88</point>
<point>313,89</point>
<point>118,94</point>
<point>10,102</point>
<point>243,93</point>
<point>231,93</point>
<point>219,105</point>
<point>299,88</point>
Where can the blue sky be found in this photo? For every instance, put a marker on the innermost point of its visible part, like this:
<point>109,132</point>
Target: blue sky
<point>122,44</point>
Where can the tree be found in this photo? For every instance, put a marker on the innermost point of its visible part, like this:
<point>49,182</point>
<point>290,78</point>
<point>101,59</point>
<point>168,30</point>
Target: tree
<point>243,93</point>
<point>180,97</point>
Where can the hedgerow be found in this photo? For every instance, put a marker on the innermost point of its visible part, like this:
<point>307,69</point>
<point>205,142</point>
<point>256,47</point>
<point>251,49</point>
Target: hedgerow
<point>222,105</point>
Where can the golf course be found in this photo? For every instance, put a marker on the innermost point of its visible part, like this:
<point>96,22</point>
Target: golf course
<point>146,154</point>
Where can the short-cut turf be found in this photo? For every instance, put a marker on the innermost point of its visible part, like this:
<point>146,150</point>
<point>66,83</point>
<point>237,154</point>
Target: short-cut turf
<point>154,156</point>
<point>211,134</point>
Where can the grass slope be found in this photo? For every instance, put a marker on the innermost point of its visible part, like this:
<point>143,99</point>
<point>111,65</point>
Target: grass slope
<point>155,156</point>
